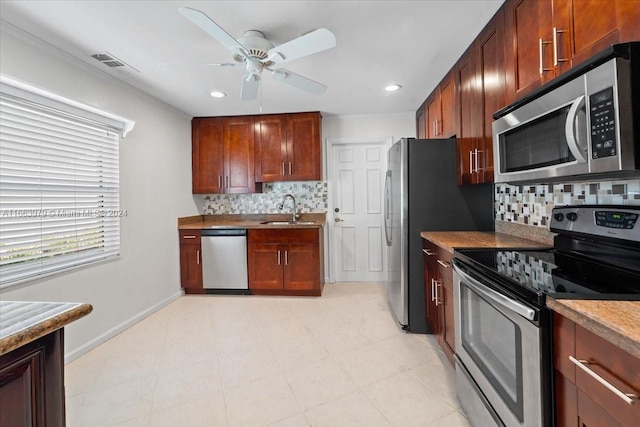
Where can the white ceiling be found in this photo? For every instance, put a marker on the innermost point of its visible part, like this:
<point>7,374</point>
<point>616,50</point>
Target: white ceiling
<point>413,43</point>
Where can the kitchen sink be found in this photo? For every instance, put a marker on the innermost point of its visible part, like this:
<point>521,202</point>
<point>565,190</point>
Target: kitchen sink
<point>288,222</point>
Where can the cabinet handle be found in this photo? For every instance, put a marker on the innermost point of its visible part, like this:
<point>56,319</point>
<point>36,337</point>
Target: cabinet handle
<point>433,289</point>
<point>219,181</point>
<point>556,60</point>
<point>227,181</point>
<point>283,172</point>
<point>445,264</point>
<point>279,258</point>
<point>627,397</point>
<point>428,252</point>
<point>289,168</point>
<point>542,69</point>
<point>476,151</point>
<point>198,257</point>
<point>286,257</point>
<point>470,162</point>
<point>188,237</point>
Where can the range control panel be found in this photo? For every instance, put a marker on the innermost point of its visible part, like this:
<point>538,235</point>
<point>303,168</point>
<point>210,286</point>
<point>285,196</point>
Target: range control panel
<point>619,222</point>
<point>603,124</point>
<point>614,219</point>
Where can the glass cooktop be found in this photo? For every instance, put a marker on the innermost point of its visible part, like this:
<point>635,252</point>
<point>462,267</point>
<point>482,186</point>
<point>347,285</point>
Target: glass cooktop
<point>535,274</point>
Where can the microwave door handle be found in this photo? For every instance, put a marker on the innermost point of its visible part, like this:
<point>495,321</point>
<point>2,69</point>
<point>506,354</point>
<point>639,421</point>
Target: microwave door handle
<point>496,297</point>
<point>570,130</point>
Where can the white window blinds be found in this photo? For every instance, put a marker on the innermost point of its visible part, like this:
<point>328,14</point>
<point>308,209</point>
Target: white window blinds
<point>59,190</point>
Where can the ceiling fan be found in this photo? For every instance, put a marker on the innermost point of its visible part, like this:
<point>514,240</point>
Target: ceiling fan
<point>257,54</point>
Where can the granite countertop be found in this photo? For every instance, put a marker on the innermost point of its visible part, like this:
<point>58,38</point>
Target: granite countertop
<point>199,222</point>
<point>22,322</point>
<point>451,240</point>
<point>616,321</point>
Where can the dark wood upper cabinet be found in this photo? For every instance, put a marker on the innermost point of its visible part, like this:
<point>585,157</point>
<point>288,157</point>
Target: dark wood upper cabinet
<point>207,155</point>
<point>467,131</point>
<point>522,46</point>
<point>548,37</point>
<point>288,147</point>
<point>222,155</point>
<point>490,68</point>
<point>239,155</point>
<point>421,123</point>
<point>439,110</point>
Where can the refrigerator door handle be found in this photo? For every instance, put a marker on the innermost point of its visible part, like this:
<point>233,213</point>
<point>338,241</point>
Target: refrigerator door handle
<point>387,206</point>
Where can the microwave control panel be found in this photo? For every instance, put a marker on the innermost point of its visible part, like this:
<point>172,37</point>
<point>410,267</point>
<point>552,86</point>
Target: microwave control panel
<point>603,124</point>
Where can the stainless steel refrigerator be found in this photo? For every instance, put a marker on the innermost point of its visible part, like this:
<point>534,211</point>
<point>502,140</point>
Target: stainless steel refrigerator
<point>422,194</point>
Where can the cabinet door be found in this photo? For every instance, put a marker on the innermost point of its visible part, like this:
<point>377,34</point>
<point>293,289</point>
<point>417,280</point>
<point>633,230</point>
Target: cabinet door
<point>190,268</point>
<point>304,155</point>
<point>238,155</point>
<point>301,267</point>
<point>434,115</point>
<point>522,47</point>
<point>591,414</point>
<point>467,122</point>
<point>444,296</point>
<point>207,155</point>
<point>447,126</point>
<point>490,68</point>
<point>595,26</point>
<point>431,310</point>
<point>421,125</point>
<point>271,148</point>
<point>265,266</point>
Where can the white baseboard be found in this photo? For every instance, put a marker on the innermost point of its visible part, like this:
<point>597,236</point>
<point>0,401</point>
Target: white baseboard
<point>77,352</point>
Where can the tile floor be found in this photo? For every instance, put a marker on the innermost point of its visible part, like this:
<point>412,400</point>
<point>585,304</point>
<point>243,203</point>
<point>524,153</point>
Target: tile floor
<point>338,360</point>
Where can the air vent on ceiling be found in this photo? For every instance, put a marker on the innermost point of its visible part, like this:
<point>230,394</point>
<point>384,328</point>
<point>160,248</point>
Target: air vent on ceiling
<point>111,61</point>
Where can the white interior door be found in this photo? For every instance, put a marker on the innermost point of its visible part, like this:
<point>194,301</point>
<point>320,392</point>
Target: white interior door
<point>357,173</point>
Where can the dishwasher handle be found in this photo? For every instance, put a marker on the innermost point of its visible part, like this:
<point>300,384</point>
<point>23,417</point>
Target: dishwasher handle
<point>223,232</point>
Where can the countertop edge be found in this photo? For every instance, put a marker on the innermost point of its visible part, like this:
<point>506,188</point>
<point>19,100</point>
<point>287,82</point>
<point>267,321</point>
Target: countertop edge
<point>43,328</point>
<point>452,240</point>
<point>596,326</point>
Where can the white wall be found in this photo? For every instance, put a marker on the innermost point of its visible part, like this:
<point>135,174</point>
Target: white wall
<point>155,189</point>
<point>370,126</point>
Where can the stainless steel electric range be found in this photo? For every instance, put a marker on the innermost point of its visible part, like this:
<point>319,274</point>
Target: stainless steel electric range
<point>503,327</point>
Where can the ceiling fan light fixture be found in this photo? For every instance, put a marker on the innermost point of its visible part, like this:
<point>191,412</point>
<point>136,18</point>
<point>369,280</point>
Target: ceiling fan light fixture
<point>279,74</point>
<point>393,87</point>
<point>218,94</point>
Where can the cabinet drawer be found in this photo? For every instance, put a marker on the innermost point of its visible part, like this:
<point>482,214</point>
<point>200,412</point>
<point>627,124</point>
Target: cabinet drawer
<point>564,338</point>
<point>281,235</point>
<point>188,237</point>
<point>619,368</point>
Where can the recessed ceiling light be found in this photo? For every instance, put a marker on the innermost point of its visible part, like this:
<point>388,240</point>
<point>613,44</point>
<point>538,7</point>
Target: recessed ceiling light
<point>218,94</point>
<point>392,88</point>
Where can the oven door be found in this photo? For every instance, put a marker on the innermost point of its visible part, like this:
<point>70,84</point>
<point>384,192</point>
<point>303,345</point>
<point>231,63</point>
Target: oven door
<point>499,345</point>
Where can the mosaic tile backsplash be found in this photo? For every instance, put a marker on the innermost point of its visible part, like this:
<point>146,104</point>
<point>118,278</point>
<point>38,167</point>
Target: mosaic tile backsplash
<point>311,196</point>
<point>532,204</point>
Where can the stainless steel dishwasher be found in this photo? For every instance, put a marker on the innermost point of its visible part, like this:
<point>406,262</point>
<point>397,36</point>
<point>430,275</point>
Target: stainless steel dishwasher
<point>224,261</point>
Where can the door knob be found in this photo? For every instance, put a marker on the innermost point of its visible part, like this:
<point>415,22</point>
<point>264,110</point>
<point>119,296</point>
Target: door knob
<point>336,219</point>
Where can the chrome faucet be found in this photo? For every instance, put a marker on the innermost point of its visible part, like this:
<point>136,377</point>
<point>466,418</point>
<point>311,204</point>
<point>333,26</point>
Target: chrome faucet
<point>295,215</point>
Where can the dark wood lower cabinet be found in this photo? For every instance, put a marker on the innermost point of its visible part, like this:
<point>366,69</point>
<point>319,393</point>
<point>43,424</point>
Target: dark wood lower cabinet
<point>191,261</point>
<point>439,296</point>
<point>579,398</point>
<point>32,383</point>
<point>285,262</point>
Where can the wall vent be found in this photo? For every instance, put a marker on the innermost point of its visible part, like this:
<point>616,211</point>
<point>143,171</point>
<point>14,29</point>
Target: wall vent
<point>111,61</point>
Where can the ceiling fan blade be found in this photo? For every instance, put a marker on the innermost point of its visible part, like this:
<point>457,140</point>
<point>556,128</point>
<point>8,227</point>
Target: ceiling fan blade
<point>212,64</point>
<point>250,85</point>
<point>210,27</point>
<point>313,42</point>
<point>298,81</point>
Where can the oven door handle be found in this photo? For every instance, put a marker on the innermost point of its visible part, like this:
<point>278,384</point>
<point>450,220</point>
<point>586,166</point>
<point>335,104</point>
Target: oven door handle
<point>496,297</point>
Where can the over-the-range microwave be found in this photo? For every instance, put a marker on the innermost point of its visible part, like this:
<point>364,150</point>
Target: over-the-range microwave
<point>586,122</point>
